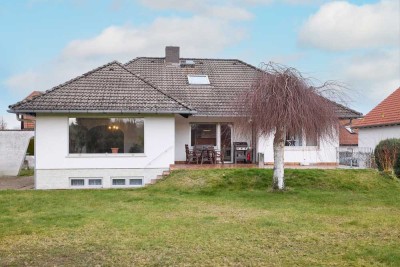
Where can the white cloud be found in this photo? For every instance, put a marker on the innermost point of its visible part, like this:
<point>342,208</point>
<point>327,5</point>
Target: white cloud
<point>340,25</point>
<point>374,74</point>
<point>229,13</point>
<point>197,36</point>
<point>201,5</point>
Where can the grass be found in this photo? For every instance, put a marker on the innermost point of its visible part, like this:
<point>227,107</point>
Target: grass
<point>209,218</point>
<point>26,172</point>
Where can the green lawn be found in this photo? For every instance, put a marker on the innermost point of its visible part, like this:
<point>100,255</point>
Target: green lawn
<point>209,218</point>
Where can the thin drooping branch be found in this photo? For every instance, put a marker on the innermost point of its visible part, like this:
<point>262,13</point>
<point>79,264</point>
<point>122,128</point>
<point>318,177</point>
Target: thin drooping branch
<point>281,102</point>
<point>282,96</point>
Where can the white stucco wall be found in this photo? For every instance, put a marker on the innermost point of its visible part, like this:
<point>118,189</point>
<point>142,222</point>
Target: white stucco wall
<point>370,137</point>
<point>324,153</point>
<point>13,146</point>
<point>54,164</point>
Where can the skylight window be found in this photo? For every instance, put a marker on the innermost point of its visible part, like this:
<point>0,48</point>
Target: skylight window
<point>198,79</point>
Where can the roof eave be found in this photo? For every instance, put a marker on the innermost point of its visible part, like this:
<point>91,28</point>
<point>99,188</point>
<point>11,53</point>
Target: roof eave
<point>190,112</point>
<point>376,125</point>
<point>350,117</point>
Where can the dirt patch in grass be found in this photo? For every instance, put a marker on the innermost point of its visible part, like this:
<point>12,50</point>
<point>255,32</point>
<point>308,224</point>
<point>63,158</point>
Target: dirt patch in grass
<point>12,182</point>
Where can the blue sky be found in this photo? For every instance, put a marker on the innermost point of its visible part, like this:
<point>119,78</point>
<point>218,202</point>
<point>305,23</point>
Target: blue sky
<point>45,42</point>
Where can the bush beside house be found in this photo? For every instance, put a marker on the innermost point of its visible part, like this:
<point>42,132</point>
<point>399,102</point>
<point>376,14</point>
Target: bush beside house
<point>387,156</point>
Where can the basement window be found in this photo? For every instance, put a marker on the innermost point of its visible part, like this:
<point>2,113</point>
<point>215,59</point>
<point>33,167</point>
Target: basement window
<point>135,181</point>
<point>92,182</point>
<point>198,79</point>
<point>131,181</point>
<point>77,182</point>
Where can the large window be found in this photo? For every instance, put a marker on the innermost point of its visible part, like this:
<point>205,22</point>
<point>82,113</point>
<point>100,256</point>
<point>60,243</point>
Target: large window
<point>203,134</point>
<point>297,140</point>
<point>293,140</point>
<point>106,135</point>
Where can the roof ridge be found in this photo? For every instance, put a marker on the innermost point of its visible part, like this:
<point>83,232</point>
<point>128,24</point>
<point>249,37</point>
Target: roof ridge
<point>196,58</point>
<point>64,83</point>
<point>345,107</point>
<point>384,100</point>
<point>153,86</point>
<point>380,104</point>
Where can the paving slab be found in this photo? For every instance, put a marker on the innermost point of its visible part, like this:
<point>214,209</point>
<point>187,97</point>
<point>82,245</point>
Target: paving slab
<point>16,182</point>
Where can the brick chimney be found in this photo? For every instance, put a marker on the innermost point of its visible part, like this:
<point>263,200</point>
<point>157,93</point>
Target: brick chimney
<point>172,54</point>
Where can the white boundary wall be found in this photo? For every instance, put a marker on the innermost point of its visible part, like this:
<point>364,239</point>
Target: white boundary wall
<point>13,146</point>
<point>55,166</point>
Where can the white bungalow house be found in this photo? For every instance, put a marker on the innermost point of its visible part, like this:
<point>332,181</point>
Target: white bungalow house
<point>382,122</point>
<point>121,125</point>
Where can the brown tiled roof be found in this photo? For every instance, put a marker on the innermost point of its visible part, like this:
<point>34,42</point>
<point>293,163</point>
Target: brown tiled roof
<point>228,79</point>
<point>385,113</point>
<point>110,88</point>
<point>347,138</point>
<point>149,85</point>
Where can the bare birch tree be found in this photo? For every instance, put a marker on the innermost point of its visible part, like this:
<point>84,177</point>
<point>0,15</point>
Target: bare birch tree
<point>283,102</point>
<point>3,124</point>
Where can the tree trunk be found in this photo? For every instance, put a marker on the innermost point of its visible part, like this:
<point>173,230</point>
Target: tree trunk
<point>279,150</point>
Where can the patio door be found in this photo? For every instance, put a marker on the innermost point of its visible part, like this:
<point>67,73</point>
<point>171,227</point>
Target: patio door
<point>226,141</point>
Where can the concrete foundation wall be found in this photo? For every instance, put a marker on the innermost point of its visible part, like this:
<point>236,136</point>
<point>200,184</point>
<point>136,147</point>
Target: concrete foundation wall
<point>60,179</point>
<point>13,146</point>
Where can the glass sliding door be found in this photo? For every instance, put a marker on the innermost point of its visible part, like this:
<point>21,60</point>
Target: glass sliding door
<point>226,141</point>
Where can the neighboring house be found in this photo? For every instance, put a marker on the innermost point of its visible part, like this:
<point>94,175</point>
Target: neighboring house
<point>380,123</point>
<point>121,125</point>
<point>348,135</point>
<point>28,121</point>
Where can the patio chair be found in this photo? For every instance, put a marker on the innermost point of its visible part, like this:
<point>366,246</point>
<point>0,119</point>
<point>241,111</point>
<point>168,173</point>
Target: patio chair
<point>208,155</point>
<point>220,155</point>
<point>192,156</point>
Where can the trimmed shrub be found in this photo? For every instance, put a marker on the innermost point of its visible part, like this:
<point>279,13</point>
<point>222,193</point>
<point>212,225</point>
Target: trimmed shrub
<point>387,156</point>
<point>397,166</point>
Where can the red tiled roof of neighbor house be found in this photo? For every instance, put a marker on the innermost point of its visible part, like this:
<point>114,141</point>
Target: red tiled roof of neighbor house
<point>385,113</point>
<point>347,138</point>
<point>33,95</point>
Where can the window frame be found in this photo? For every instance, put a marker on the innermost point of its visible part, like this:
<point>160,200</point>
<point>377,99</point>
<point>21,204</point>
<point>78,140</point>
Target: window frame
<point>217,132</point>
<point>303,146</point>
<point>127,181</point>
<point>85,182</point>
<point>90,155</point>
